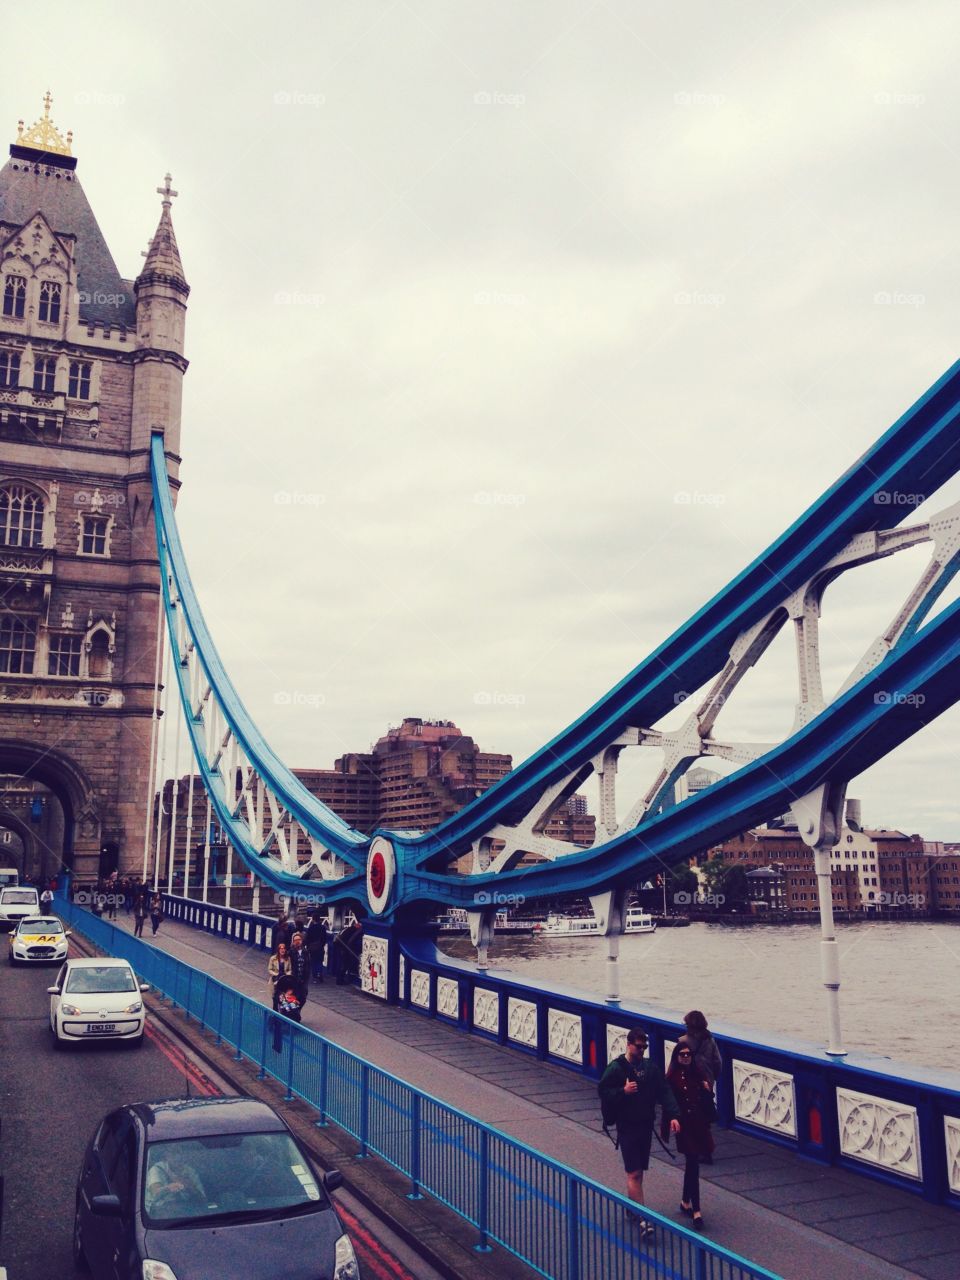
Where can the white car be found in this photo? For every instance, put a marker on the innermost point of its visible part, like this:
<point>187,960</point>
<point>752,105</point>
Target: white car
<point>97,999</point>
<point>17,902</point>
<point>38,940</point>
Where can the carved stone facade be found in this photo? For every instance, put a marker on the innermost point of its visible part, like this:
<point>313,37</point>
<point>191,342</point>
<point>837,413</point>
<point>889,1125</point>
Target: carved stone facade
<point>87,371</point>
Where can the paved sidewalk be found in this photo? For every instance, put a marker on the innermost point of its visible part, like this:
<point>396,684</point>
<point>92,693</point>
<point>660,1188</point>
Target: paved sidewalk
<point>795,1217</point>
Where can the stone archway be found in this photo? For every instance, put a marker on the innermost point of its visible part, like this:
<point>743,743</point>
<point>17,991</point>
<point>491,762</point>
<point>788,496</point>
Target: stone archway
<point>26,858</point>
<point>73,789</point>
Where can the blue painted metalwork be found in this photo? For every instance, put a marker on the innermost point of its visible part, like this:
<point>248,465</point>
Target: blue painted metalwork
<point>919,452</point>
<point>817,1075</point>
<point>482,1174</point>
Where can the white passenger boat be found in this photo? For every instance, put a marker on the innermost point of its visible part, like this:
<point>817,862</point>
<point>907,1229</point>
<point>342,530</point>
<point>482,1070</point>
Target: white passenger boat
<point>638,921</point>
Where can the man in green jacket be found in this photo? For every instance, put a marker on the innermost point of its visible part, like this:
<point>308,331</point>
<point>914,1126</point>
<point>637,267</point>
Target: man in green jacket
<point>630,1089</point>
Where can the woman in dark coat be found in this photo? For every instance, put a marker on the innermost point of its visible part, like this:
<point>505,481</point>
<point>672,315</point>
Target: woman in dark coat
<point>693,1092</point>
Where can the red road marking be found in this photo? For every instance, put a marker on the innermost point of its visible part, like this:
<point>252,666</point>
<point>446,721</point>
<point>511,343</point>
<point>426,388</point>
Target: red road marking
<point>372,1254</point>
<point>180,1061</point>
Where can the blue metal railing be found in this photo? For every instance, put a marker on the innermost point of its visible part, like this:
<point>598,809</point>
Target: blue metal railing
<point>559,1222</point>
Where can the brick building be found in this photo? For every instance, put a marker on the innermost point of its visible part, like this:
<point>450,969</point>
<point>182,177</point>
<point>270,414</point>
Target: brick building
<point>90,364</point>
<point>414,777</point>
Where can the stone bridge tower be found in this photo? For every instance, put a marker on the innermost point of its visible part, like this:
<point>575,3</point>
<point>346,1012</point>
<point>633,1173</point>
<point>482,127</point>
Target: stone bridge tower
<point>90,363</point>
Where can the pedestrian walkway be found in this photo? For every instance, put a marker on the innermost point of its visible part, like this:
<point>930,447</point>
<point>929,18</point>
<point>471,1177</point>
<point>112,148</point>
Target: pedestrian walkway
<point>791,1215</point>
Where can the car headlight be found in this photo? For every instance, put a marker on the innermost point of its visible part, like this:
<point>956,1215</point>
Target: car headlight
<point>70,1010</point>
<point>134,1008</point>
<point>344,1261</point>
<point>156,1270</point>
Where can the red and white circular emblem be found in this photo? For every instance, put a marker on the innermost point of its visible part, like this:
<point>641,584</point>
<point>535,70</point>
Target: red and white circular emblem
<point>381,873</point>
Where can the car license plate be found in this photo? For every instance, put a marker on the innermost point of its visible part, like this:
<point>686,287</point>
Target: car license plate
<point>101,1026</point>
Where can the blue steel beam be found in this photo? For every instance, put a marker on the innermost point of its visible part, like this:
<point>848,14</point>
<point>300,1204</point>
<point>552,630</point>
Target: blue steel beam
<point>918,453</point>
<point>314,816</point>
<point>915,456</point>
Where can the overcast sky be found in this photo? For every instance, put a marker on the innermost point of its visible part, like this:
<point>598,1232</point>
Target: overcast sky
<point>481,292</point>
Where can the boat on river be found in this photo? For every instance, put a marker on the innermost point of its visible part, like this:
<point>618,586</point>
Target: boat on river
<point>638,921</point>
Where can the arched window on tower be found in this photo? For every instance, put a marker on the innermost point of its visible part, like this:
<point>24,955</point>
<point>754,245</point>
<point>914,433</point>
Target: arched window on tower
<point>21,517</point>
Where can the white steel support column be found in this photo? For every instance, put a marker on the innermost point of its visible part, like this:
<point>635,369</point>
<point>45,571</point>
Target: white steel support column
<point>819,818</point>
<point>174,802</point>
<point>206,854</point>
<point>829,951</point>
<point>229,874</point>
<point>481,933</point>
<point>163,769</point>
<point>609,909</point>
<point>154,731</point>
<point>189,841</point>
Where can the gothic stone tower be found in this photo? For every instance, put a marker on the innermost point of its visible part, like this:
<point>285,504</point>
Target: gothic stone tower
<point>89,364</point>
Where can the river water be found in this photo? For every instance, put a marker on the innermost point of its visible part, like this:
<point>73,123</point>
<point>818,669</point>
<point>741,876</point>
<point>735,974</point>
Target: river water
<point>899,994</point>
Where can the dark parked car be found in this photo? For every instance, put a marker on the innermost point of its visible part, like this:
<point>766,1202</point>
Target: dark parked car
<point>200,1187</point>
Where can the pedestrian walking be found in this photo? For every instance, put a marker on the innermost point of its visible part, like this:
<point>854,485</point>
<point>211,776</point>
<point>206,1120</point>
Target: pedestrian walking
<point>156,912</point>
<point>317,945</point>
<point>287,1006</point>
<point>347,943</point>
<point>139,916</point>
<point>278,966</point>
<point>706,1055</point>
<point>300,967</point>
<point>694,1094</point>
<point>631,1089</point>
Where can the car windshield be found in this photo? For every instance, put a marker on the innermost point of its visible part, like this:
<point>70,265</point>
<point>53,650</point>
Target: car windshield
<point>96,978</point>
<point>231,1177</point>
<point>39,926</point>
<point>18,897</point>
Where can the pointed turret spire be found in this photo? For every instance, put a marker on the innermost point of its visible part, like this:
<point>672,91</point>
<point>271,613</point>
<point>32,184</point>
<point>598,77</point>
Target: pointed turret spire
<point>163,257</point>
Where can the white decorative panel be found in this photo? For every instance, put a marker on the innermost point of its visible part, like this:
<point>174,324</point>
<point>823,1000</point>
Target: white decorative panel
<point>522,1021</point>
<point>764,1097</point>
<point>420,988</point>
<point>880,1132</point>
<point>246,931</point>
<point>486,1010</point>
<point>448,997</point>
<point>205,918</point>
<point>616,1042</point>
<point>258,936</point>
<point>403,977</point>
<point>565,1035</point>
<point>951,1130</point>
<point>373,966</point>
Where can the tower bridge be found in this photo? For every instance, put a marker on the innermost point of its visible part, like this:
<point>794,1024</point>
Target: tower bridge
<point>98,589</point>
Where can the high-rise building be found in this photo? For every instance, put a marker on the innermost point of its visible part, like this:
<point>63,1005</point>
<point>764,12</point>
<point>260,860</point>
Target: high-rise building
<point>91,363</point>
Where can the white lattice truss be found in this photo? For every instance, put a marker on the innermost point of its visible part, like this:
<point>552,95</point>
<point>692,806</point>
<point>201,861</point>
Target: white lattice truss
<point>501,848</point>
<point>273,832</point>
